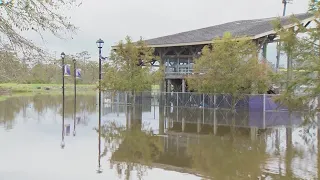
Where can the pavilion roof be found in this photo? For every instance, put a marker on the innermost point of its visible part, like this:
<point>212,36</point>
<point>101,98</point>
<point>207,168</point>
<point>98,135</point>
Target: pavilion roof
<point>254,28</point>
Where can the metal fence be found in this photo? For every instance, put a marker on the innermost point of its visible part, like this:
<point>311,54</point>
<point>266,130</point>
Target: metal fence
<point>259,102</point>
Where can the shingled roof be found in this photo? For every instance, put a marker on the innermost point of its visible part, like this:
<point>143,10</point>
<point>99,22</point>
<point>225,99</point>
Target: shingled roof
<point>254,28</point>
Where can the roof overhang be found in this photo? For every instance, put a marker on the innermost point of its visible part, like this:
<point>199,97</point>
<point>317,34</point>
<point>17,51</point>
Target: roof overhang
<point>272,32</point>
<point>285,27</point>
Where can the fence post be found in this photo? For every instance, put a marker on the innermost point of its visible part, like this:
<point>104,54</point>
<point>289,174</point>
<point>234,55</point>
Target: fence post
<point>118,103</point>
<point>264,111</point>
<point>264,102</point>
<point>203,108</point>
<point>177,107</point>
<point>126,98</point>
<point>215,124</point>
<point>177,99</point>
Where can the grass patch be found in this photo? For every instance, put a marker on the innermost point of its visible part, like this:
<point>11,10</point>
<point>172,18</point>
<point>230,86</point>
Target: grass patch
<point>15,89</point>
<point>52,89</point>
<point>56,93</point>
<point>22,88</point>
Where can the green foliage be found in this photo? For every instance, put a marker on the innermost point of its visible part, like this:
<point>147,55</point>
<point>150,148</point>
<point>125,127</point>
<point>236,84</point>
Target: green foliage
<point>304,53</point>
<point>33,15</point>
<point>15,70</point>
<point>10,66</point>
<point>230,65</point>
<point>125,72</point>
<point>314,5</point>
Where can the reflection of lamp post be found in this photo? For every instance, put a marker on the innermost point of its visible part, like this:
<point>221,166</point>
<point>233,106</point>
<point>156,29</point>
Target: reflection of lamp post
<point>100,43</point>
<point>62,58</point>
<point>75,97</point>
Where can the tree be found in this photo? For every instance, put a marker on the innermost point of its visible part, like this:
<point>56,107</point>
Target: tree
<point>10,66</point>
<point>33,15</point>
<point>230,65</point>
<point>13,69</point>
<point>37,16</point>
<point>303,53</point>
<point>130,69</point>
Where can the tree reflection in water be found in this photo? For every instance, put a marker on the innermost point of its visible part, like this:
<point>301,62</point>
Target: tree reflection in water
<point>39,104</point>
<point>187,145</point>
<point>211,156</point>
<point>224,158</point>
<point>230,154</point>
<point>9,108</point>
<point>133,148</point>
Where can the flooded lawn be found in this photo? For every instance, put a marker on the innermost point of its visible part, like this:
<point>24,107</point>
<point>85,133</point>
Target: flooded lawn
<point>151,142</point>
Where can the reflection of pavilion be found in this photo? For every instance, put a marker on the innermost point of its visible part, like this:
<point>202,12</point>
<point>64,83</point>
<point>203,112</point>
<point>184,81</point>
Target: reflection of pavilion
<point>193,135</point>
<point>211,120</point>
<point>117,102</point>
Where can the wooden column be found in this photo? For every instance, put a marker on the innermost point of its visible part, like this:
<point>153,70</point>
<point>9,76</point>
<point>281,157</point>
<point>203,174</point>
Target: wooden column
<point>264,50</point>
<point>169,85</point>
<point>253,133</point>
<point>183,124</point>
<point>278,56</point>
<point>289,64</point>
<point>183,85</point>
<point>198,123</point>
<point>162,97</point>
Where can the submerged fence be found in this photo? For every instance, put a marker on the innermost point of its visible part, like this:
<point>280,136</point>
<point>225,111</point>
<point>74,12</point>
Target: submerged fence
<point>259,102</point>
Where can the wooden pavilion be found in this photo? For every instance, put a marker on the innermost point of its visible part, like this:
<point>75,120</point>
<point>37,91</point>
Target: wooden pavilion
<point>178,51</point>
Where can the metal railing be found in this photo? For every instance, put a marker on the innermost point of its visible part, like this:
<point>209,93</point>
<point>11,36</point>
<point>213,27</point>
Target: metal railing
<point>258,102</point>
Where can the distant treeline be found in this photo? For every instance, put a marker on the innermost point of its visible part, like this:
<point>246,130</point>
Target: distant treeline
<point>45,70</point>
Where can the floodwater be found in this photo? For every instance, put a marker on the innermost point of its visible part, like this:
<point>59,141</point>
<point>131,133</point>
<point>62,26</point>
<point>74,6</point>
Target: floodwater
<point>148,142</point>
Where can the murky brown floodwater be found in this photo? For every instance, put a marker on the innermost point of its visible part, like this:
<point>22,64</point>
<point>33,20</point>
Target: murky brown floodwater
<point>139,142</point>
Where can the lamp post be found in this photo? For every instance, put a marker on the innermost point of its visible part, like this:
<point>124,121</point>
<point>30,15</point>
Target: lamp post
<point>62,67</point>
<point>100,43</point>
<point>75,97</point>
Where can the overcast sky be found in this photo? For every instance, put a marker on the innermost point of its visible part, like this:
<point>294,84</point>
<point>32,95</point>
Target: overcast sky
<point>113,20</point>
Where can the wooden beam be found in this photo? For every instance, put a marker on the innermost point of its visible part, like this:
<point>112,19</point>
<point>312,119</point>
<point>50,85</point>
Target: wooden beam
<point>178,56</point>
<point>307,24</point>
<point>260,44</point>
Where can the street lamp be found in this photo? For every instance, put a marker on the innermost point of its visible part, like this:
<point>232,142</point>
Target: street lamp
<point>75,97</point>
<point>62,67</point>
<point>100,43</point>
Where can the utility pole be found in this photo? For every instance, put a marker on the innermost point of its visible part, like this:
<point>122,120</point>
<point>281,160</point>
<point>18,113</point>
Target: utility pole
<point>284,2</point>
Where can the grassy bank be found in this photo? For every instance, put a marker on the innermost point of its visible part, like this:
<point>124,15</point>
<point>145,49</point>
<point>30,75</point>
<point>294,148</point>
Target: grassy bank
<point>24,88</point>
<point>52,93</point>
<point>12,89</point>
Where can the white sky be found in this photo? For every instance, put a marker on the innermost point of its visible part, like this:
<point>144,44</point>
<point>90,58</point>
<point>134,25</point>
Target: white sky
<point>112,20</point>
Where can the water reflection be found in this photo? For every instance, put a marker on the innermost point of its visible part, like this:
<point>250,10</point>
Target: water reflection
<point>212,143</point>
<point>41,105</point>
<point>142,139</point>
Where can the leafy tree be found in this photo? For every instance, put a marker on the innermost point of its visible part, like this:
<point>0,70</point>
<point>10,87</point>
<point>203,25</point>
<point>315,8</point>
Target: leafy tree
<point>37,16</point>
<point>303,53</point>
<point>33,15</point>
<point>10,66</point>
<point>90,72</point>
<point>230,66</point>
<point>130,69</point>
